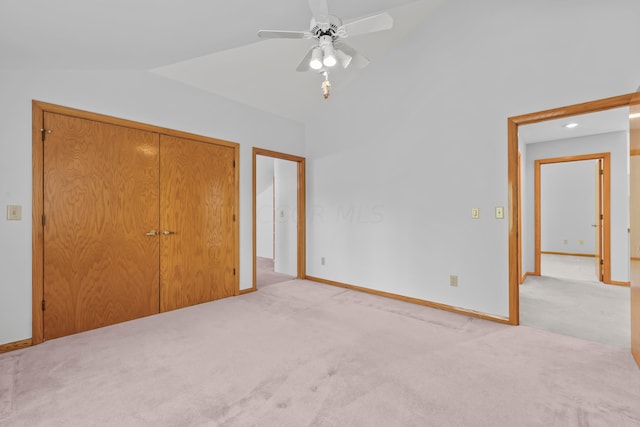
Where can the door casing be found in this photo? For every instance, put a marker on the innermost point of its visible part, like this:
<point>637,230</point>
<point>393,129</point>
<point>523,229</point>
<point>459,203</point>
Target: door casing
<point>301,213</point>
<point>513,123</point>
<point>37,235</point>
<point>605,253</point>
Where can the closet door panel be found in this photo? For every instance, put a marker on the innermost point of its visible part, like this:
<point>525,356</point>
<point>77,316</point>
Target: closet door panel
<point>101,199</point>
<point>197,200</point>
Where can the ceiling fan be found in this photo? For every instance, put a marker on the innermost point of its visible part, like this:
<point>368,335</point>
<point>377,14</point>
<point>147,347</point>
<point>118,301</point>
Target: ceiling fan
<point>330,50</point>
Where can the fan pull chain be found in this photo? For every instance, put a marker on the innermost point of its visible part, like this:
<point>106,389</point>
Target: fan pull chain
<point>326,86</point>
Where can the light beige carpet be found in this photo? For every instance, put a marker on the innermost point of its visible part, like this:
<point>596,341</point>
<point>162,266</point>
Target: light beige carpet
<point>567,299</point>
<point>304,354</point>
<point>265,274</point>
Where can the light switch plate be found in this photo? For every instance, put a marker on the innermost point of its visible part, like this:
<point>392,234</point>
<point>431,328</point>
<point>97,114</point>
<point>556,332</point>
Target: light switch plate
<point>475,213</point>
<point>14,212</point>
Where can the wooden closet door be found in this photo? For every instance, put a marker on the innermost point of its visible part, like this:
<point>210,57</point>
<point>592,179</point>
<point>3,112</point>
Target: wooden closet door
<point>100,200</point>
<point>197,202</point>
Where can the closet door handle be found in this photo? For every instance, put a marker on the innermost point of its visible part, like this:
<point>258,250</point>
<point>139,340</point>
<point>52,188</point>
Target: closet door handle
<point>152,233</point>
<point>167,232</point>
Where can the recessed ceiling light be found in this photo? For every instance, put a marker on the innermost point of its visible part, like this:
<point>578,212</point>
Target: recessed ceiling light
<point>571,125</point>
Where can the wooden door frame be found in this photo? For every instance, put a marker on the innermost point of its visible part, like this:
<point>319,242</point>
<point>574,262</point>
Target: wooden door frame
<point>521,276</point>
<point>301,212</point>
<point>605,243</point>
<point>38,108</point>
<point>513,191</point>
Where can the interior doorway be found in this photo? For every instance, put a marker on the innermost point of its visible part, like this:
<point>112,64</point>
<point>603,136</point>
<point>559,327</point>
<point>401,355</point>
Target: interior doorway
<point>278,217</point>
<point>632,101</point>
<point>572,214</point>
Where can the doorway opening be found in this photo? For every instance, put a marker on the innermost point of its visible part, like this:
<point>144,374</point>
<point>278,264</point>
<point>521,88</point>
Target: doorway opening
<point>572,217</point>
<point>278,218</point>
<point>516,213</point>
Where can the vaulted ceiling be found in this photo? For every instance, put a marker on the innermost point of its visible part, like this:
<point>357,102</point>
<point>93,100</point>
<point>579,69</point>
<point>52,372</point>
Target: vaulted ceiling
<point>209,44</point>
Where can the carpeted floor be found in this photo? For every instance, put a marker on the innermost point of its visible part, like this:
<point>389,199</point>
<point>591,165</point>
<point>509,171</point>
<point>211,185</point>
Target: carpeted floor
<point>569,267</point>
<point>565,301</point>
<point>265,274</point>
<point>299,353</point>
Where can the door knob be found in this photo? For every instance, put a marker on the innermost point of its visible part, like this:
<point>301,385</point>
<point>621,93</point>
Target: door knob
<point>167,232</point>
<point>152,233</point>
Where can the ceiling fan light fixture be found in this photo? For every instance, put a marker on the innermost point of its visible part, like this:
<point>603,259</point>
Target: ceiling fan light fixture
<point>316,59</point>
<point>343,58</point>
<point>330,59</point>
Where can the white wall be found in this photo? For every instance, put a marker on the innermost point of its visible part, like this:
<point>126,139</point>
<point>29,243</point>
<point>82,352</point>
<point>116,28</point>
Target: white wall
<point>568,195</point>
<point>395,162</point>
<point>264,223</point>
<point>617,143</point>
<point>399,158</point>
<point>138,96</point>
<point>264,207</point>
<point>286,221</point>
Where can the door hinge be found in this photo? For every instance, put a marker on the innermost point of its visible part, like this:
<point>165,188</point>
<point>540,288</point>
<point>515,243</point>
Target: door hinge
<point>601,216</point>
<point>234,163</point>
<point>234,217</point>
<point>43,305</point>
<point>234,271</point>
<point>601,171</point>
<point>44,133</point>
<point>601,262</point>
<point>44,220</point>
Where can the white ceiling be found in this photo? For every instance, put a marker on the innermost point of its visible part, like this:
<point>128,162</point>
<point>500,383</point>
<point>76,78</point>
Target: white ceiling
<point>614,120</point>
<point>209,44</point>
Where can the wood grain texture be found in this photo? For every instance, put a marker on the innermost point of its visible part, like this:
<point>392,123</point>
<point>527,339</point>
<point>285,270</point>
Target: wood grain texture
<point>635,309</point>
<point>412,300</point>
<point>634,238</point>
<point>519,204</point>
<point>17,345</point>
<point>569,254</point>
<point>301,213</point>
<point>576,109</point>
<point>631,100</point>
<point>53,108</point>
<point>605,194</point>
<point>514,221</point>
<point>537,227</point>
<point>197,204</point>
<point>37,231</point>
<point>100,198</point>
<point>38,266</point>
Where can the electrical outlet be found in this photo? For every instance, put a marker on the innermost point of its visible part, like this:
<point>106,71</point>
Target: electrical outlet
<point>322,261</point>
<point>475,213</point>
<point>499,212</point>
<point>453,280</point>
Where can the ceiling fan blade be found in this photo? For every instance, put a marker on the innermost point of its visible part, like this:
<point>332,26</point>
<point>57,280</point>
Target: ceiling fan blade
<point>344,59</point>
<point>304,64</point>
<point>319,10</point>
<point>357,60</point>
<point>276,34</point>
<point>371,24</point>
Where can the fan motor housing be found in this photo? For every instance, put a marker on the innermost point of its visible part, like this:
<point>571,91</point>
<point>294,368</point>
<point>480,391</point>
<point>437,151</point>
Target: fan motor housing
<point>329,26</point>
